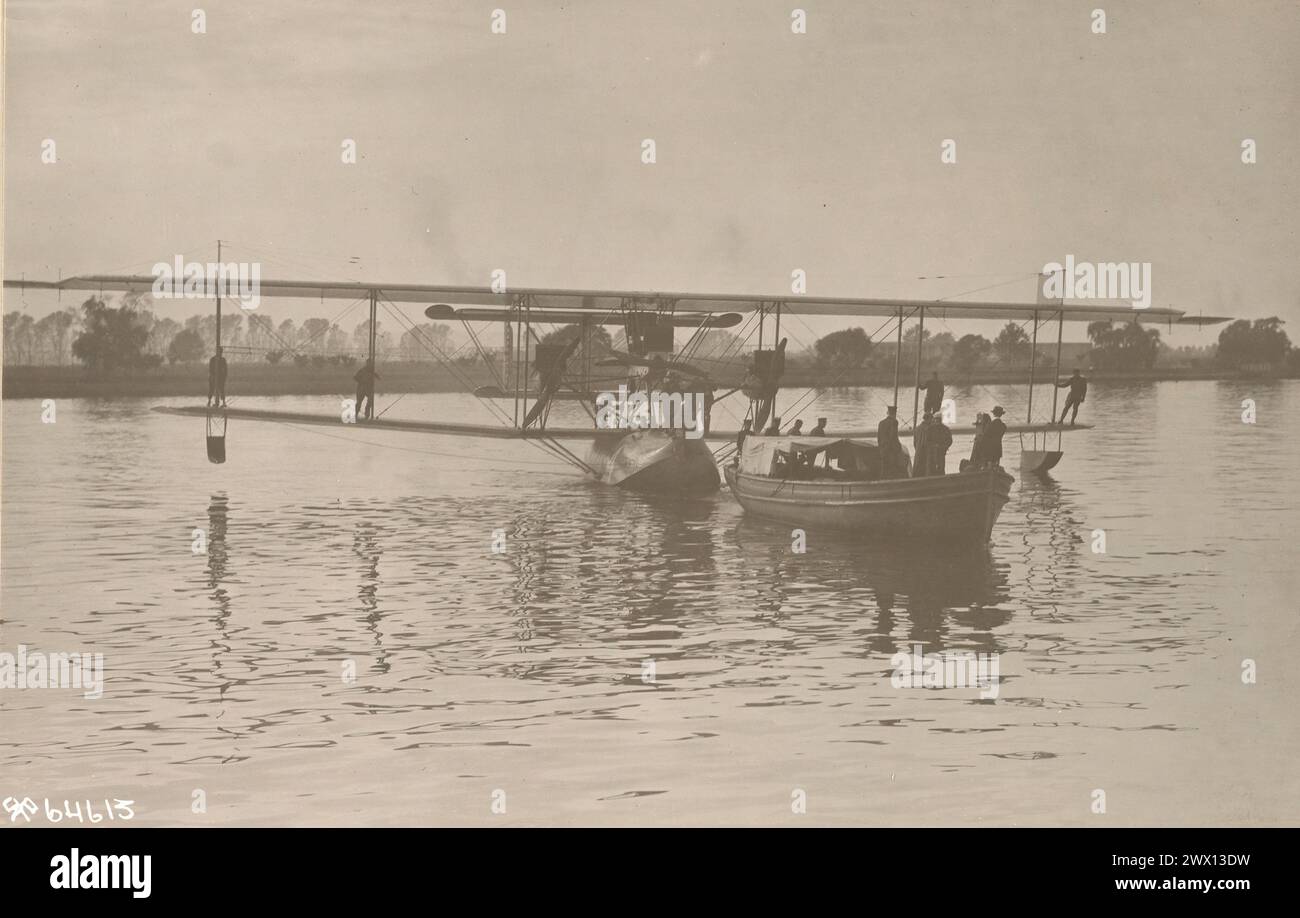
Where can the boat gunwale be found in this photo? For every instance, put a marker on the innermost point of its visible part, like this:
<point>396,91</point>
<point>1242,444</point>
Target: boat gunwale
<point>880,492</point>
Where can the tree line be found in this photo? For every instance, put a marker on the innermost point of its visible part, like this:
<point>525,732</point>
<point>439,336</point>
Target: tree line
<point>1125,346</point>
<point>128,336</point>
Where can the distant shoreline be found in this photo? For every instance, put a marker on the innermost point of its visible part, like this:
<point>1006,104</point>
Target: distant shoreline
<point>251,379</point>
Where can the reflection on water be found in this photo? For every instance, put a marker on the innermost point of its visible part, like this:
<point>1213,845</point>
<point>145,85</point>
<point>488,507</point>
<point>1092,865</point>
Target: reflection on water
<point>903,595</point>
<point>217,560</point>
<point>525,669</point>
<point>365,545</point>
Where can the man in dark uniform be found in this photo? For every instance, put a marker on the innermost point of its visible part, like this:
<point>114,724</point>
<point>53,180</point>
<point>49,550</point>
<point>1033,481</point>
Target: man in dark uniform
<point>891,450</point>
<point>939,439</point>
<point>365,378</point>
<point>797,429</point>
<point>820,429</point>
<point>217,379</point>
<point>1078,387</point>
<point>933,394</point>
<point>991,443</point>
<point>921,447</point>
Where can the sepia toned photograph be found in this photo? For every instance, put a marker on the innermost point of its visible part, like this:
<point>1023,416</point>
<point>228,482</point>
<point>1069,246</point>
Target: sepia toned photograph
<point>674,414</point>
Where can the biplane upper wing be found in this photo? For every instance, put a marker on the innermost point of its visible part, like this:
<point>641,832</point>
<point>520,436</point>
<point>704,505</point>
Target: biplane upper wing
<point>948,309</point>
<point>587,301</point>
<point>581,303</point>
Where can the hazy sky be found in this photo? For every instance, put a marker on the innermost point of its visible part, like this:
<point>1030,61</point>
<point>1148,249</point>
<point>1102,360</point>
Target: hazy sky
<point>775,151</point>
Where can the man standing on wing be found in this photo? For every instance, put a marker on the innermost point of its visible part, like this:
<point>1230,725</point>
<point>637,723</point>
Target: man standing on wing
<point>1078,387</point>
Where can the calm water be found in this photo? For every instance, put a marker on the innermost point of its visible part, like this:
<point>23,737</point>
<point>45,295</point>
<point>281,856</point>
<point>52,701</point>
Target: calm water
<point>522,672</point>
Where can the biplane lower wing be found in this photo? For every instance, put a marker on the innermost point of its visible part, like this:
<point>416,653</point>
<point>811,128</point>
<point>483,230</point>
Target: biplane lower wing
<point>499,432</point>
<point>326,420</point>
<point>496,432</point>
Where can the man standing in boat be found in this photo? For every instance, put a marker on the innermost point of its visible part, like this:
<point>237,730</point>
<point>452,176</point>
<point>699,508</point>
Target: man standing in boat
<point>921,447</point>
<point>891,450</point>
<point>1078,387</point>
<point>365,378</point>
<point>933,394</point>
<point>991,448</point>
<point>217,379</point>
<point>939,439</point>
<point>976,460</point>
<point>820,429</point>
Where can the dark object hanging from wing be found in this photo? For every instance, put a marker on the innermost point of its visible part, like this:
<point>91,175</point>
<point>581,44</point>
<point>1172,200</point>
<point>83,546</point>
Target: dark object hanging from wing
<point>216,436</point>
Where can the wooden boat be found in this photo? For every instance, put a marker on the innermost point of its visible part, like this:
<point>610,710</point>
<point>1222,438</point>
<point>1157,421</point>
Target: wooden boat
<point>777,478</point>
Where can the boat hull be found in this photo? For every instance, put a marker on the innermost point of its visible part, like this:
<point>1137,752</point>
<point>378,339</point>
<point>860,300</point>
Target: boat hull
<point>958,507</point>
<point>658,462</point>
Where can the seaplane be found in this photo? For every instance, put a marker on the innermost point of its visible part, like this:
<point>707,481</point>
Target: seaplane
<point>666,461</point>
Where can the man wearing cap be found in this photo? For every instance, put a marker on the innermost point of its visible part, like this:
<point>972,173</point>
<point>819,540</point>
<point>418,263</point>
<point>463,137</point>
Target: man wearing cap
<point>891,450</point>
<point>991,444</point>
<point>819,430</point>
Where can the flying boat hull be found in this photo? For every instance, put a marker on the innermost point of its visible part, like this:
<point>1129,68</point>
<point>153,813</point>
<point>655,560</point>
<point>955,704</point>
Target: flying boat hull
<point>659,462</point>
